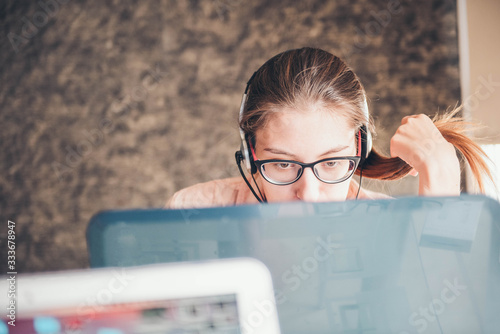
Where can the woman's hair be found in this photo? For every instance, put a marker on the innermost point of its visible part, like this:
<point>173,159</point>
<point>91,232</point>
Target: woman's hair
<point>301,77</point>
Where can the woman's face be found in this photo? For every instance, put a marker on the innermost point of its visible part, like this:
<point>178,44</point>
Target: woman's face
<point>305,136</point>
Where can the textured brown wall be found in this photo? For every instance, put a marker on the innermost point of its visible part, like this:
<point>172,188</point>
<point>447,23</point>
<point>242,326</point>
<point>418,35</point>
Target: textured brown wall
<point>118,104</point>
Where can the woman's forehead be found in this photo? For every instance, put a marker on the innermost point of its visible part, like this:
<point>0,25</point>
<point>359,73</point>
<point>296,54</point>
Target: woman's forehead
<point>291,119</point>
<point>303,132</point>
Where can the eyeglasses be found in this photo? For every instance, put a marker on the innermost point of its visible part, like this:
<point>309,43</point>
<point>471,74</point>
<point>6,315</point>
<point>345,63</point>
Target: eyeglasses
<point>330,170</point>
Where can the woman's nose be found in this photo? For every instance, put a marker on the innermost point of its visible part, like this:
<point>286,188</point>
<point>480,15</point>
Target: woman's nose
<point>308,186</point>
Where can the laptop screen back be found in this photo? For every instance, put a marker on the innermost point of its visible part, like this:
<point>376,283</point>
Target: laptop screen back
<point>409,265</point>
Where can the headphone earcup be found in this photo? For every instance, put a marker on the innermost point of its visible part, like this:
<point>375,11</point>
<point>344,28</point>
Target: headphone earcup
<point>366,144</point>
<point>246,154</point>
<point>253,167</point>
<point>366,136</point>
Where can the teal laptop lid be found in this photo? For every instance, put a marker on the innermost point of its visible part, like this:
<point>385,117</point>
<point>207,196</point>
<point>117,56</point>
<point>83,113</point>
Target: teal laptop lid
<point>408,265</point>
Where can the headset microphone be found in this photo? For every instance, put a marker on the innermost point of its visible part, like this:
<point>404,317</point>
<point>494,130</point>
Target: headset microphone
<point>239,158</point>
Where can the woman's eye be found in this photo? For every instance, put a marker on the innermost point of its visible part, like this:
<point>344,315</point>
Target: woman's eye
<point>331,164</point>
<point>284,165</point>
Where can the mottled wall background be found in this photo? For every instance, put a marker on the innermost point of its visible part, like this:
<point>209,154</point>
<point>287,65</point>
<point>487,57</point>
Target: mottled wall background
<point>118,104</point>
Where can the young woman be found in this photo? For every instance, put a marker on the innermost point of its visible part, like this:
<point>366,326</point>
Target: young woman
<point>306,130</point>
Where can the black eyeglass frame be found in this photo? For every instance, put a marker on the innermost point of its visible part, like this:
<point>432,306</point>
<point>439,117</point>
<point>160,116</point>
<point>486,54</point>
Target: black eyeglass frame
<point>259,163</point>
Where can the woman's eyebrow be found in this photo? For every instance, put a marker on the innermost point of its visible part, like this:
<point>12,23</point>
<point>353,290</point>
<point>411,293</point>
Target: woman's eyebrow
<point>335,150</point>
<point>281,152</point>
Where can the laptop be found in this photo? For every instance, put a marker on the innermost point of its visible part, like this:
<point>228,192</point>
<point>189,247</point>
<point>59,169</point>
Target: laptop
<point>219,296</point>
<point>407,265</point>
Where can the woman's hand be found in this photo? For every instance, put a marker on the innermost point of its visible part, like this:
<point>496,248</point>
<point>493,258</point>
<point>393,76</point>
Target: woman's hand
<point>420,144</point>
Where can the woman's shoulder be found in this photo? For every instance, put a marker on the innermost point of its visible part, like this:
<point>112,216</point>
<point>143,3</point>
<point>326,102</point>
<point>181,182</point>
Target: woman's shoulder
<point>223,192</point>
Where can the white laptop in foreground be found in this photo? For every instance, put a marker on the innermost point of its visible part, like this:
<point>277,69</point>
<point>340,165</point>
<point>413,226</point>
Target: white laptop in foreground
<point>221,296</point>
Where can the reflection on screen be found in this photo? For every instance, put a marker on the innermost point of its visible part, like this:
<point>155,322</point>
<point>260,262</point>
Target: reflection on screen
<point>214,314</point>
